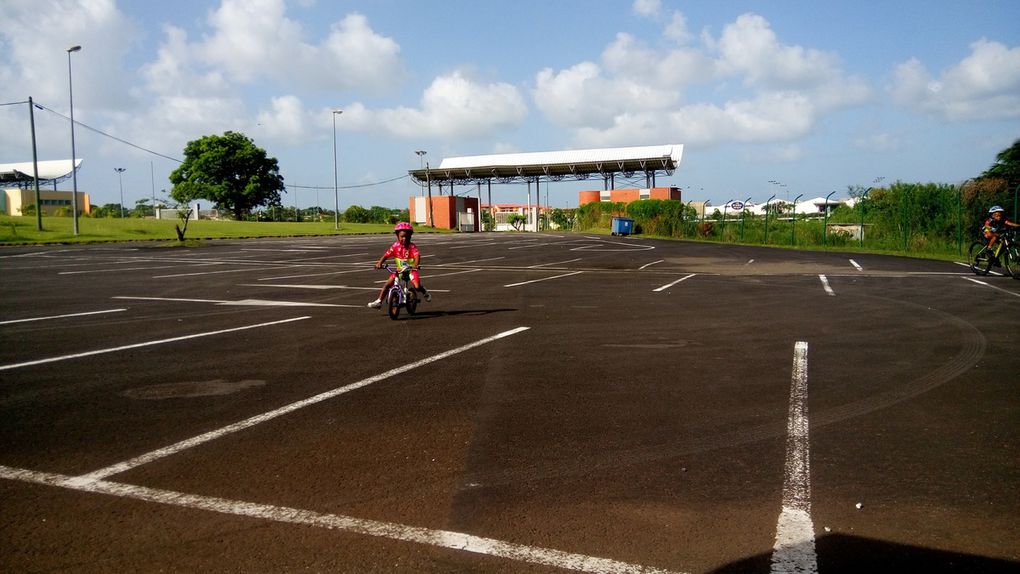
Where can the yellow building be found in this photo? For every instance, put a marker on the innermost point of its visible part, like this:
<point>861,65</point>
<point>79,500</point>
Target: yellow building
<point>13,200</point>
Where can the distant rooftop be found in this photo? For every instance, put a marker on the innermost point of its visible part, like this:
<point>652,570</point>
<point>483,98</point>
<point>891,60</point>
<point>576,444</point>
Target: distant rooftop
<point>554,165</point>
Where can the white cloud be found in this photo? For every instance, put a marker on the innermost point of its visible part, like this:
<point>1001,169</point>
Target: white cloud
<point>647,7</point>
<point>286,121</point>
<point>255,38</point>
<point>983,86</point>
<point>640,94</point>
<point>453,106</point>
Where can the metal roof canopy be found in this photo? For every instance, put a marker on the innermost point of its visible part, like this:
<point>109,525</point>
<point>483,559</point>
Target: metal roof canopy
<point>49,171</point>
<point>554,165</point>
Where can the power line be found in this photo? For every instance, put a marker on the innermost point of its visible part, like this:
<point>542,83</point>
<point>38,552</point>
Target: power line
<point>125,142</point>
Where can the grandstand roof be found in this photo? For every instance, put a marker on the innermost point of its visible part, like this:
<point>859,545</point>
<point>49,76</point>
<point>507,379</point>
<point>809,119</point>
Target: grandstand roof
<point>48,170</point>
<point>554,165</point>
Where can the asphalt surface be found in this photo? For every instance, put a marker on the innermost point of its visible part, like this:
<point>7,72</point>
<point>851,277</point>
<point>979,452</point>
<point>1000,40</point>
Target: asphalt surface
<point>565,402</point>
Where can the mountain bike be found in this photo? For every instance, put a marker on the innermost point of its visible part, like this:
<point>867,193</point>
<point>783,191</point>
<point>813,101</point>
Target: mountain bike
<point>401,294</point>
<point>1005,253</point>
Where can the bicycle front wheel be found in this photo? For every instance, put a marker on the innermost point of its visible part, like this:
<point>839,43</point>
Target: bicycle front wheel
<point>393,304</point>
<point>980,258</point>
<point>1012,263</point>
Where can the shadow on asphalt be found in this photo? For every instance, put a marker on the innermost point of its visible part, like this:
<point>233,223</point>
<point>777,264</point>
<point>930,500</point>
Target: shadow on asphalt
<point>472,312</point>
<point>841,553</point>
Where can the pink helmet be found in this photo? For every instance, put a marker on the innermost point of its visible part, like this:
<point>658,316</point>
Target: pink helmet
<point>403,226</point>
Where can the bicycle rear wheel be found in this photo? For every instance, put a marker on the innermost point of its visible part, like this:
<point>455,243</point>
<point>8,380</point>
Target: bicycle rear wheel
<point>412,301</point>
<point>393,304</point>
<point>980,258</point>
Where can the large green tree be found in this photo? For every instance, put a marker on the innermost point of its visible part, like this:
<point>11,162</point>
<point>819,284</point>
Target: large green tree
<point>1006,166</point>
<point>230,171</point>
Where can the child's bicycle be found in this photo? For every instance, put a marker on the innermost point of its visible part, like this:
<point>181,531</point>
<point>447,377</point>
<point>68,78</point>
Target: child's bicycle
<point>1005,253</point>
<point>400,294</point>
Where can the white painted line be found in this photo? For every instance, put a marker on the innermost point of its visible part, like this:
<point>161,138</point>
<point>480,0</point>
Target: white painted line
<point>979,282</point>
<point>146,344</point>
<point>664,287</point>
<point>60,316</point>
<point>856,265</point>
<point>543,279</point>
<point>255,270</point>
<point>528,246</point>
<point>473,245</point>
<point>794,550</point>
<point>387,530</point>
<point>258,419</point>
<point>470,262</point>
<point>554,263</point>
<point>749,261</point>
<point>246,302</point>
<point>825,285</point>
<point>117,269</point>
<point>314,275</point>
<point>177,299</point>
<point>650,264</point>
<point>431,276</point>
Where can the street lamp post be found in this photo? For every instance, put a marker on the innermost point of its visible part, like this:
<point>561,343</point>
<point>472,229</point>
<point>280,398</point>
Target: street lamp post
<point>336,179</point>
<point>74,170</point>
<point>825,224</point>
<point>121,170</point>
<point>421,154</point>
<point>793,234</point>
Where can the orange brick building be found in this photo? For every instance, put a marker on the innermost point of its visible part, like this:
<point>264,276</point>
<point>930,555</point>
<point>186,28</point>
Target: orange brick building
<point>628,195</point>
<point>450,212</point>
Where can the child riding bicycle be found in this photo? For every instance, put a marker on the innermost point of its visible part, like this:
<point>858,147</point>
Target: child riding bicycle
<point>996,225</point>
<point>406,255</point>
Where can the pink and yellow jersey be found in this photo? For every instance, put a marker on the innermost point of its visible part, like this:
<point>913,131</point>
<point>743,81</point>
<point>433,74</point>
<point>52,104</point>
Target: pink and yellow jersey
<point>405,257</point>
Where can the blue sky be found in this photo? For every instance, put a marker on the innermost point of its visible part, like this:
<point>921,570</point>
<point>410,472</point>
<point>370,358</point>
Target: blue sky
<point>817,95</point>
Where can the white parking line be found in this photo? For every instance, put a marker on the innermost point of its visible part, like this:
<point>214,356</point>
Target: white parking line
<point>60,316</point>
<point>258,419</point>
<point>387,530</point>
<point>553,263</point>
<point>794,550</point>
<point>469,262</point>
<point>543,279</point>
<point>825,285</point>
<point>979,282</point>
<point>650,264</point>
<point>146,344</point>
<point>314,274</point>
<point>250,270</point>
<point>664,287</point>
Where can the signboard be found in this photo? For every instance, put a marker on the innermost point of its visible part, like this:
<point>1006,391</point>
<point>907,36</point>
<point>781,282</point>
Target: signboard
<point>737,205</point>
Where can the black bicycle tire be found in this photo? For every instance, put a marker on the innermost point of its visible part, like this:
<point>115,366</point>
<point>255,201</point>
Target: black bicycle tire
<point>393,304</point>
<point>1011,264</point>
<point>982,266</point>
<point>412,301</point>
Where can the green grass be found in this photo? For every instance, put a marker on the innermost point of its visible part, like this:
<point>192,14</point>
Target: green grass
<point>24,230</point>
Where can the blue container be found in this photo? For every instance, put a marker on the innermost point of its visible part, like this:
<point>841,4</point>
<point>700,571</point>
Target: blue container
<point>622,226</point>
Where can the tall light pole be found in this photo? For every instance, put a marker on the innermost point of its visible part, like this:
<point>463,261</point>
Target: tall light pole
<point>121,170</point>
<point>421,156</point>
<point>336,178</point>
<point>74,170</point>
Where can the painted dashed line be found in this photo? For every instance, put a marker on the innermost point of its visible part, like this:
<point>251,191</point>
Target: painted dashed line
<point>387,530</point>
<point>543,279</point>
<point>259,419</point>
<point>12,321</point>
<point>826,286</point>
<point>145,344</point>
<point>856,265</point>
<point>667,286</point>
<point>650,264</point>
<point>794,550</point>
<point>979,282</point>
